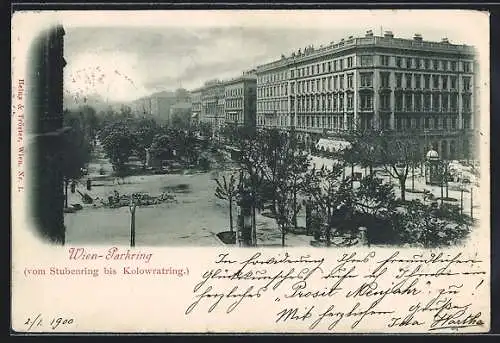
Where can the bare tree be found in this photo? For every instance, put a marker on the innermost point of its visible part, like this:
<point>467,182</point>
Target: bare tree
<point>227,189</point>
<point>328,191</point>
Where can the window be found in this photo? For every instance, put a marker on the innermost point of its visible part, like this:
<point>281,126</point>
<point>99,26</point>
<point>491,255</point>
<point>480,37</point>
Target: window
<point>467,122</point>
<point>435,64</point>
<point>418,63</point>
<point>384,60</point>
<point>445,123</point>
<point>418,102</point>
<point>385,101</point>
<point>399,80</point>
<point>323,67</point>
<point>366,60</point>
<point>435,102</point>
<point>408,78</point>
<point>453,80</point>
<point>335,65</point>
<point>341,102</point>
<point>408,102</point>
<point>418,84</point>
<point>454,122</point>
<point>399,102</point>
<point>444,102</point>
<point>427,81</point>
<point>466,103</point>
<point>329,66</point>
<point>292,73</point>
<point>427,63</point>
<point>341,64</point>
<point>453,65</point>
<point>341,81</point>
<point>426,123</point>
<point>349,62</point>
<point>366,102</point>
<point>454,102</point>
<point>445,65</point>
<point>435,81</point>
<point>399,62</point>
<point>350,102</point>
<point>349,81</point>
<point>330,83</point>
<point>467,67</point>
<point>466,83</point>
<point>445,81</point>
<point>323,84</point>
<point>366,79</point>
<point>384,79</point>
<point>398,123</point>
<point>409,62</point>
<point>335,82</point>
<point>318,85</point>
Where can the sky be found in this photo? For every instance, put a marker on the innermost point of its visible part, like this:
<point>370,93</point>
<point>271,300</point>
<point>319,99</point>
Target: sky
<point>123,57</point>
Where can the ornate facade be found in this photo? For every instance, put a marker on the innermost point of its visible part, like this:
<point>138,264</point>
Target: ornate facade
<point>406,86</point>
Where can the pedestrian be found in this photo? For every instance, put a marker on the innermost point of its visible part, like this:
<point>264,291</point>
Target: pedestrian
<point>73,186</point>
<point>89,184</point>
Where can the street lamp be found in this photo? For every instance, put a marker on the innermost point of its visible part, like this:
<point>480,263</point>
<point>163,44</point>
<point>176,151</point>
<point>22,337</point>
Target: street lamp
<point>132,206</point>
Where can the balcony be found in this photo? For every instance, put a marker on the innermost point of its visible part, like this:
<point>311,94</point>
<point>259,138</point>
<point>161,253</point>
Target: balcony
<point>366,109</point>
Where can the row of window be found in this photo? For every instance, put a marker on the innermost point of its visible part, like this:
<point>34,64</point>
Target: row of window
<point>234,91</point>
<point>366,122</point>
<point>426,63</point>
<point>425,80</point>
<point>407,102</point>
<point>410,81</point>
<point>367,61</point>
<point>234,103</point>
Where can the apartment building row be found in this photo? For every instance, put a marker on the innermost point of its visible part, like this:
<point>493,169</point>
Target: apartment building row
<point>225,102</point>
<point>410,87</point>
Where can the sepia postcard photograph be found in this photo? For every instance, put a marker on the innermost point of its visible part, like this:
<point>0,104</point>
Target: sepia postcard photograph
<point>250,171</point>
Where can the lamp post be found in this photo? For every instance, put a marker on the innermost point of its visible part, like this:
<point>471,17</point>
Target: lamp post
<point>132,206</point>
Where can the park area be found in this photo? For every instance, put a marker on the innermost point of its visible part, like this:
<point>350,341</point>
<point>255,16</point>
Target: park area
<point>196,185</point>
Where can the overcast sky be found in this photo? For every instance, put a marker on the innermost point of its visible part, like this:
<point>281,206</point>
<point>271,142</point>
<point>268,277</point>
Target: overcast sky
<point>125,57</point>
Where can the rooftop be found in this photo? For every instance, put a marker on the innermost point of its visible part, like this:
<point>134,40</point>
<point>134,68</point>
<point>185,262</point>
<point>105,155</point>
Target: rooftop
<point>386,40</point>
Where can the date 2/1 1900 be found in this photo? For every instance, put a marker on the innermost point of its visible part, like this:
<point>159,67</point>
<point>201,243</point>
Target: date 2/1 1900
<point>38,323</point>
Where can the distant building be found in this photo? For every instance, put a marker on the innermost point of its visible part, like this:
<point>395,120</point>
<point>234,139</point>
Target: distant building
<point>375,82</point>
<point>155,106</point>
<point>226,102</point>
<point>240,100</point>
<point>44,111</point>
<point>196,105</point>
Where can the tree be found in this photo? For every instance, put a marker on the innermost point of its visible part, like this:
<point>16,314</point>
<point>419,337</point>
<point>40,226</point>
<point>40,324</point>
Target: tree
<point>280,165</point>
<point>144,132</point>
<point>118,143</point>
<point>250,145</point>
<point>228,189</point>
<point>328,191</point>
<point>373,197</point>
<point>398,155</point>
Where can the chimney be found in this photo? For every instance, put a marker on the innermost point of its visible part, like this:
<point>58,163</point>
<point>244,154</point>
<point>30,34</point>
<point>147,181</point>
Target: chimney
<point>369,33</point>
<point>417,37</point>
<point>388,34</point>
<point>445,40</point>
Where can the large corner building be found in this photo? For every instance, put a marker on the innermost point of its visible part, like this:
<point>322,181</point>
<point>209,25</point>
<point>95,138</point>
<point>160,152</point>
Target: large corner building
<point>405,86</point>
